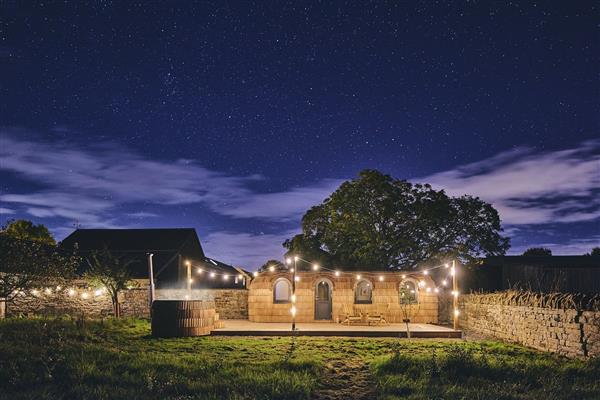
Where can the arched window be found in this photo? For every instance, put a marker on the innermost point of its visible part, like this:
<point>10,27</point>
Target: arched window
<point>409,293</point>
<point>282,291</point>
<point>363,292</point>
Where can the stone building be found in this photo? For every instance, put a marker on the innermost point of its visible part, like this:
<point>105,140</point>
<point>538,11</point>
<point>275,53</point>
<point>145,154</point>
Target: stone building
<point>329,296</point>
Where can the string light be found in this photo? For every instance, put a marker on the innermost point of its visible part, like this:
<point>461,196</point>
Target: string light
<point>84,295</point>
<point>315,267</point>
<point>199,271</point>
<point>98,292</point>
<point>297,278</point>
<point>337,273</point>
<point>293,310</point>
<point>452,271</point>
<point>35,292</point>
<point>272,268</point>
<point>446,265</point>
<point>225,277</point>
<point>357,277</point>
<point>456,312</point>
<point>240,276</point>
<point>444,282</point>
<point>425,272</point>
<point>48,291</point>
<point>255,273</point>
<point>403,276</point>
<point>71,292</point>
<point>436,290</point>
<point>292,269</point>
<point>288,260</point>
<point>381,278</point>
<point>212,274</point>
<point>293,298</point>
<point>190,280</point>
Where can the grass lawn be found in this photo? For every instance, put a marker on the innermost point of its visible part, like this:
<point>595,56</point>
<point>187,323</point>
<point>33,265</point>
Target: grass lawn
<point>57,359</point>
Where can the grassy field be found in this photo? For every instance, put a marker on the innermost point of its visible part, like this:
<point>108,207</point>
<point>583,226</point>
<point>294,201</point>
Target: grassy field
<point>50,359</point>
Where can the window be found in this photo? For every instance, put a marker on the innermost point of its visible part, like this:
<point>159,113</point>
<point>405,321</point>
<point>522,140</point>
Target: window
<point>363,292</point>
<point>408,292</point>
<point>282,291</point>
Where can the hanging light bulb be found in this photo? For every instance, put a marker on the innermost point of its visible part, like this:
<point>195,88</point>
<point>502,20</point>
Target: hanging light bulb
<point>296,258</point>
<point>293,298</point>
<point>190,280</point>
<point>315,267</point>
<point>212,274</point>
<point>84,295</point>
<point>425,272</point>
<point>255,273</point>
<point>444,282</point>
<point>293,310</point>
<point>240,276</point>
<point>436,290</point>
<point>297,279</point>
<point>381,278</point>
<point>199,271</point>
<point>403,276</point>
<point>288,260</point>
<point>446,265</point>
<point>337,273</point>
<point>71,292</point>
<point>272,268</point>
<point>357,277</point>
<point>225,277</point>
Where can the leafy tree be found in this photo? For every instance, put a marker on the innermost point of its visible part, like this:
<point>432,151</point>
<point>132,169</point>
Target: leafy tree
<point>595,252</point>
<point>29,264</point>
<point>278,265</point>
<point>111,272</point>
<point>26,230</point>
<point>376,221</point>
<point>537,251</point>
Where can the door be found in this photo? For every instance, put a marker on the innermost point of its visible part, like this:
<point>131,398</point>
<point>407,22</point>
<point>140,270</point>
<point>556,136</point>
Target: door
<point>323,301</point>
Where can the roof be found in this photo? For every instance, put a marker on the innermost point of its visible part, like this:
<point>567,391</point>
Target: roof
<point>130,240</point>
<point>166,244</point>
<point>135,244</point>
<point>545,261</point>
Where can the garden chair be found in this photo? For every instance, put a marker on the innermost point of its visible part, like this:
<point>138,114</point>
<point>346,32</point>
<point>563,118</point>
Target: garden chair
<point>351,315</point>
<point>378,317</point>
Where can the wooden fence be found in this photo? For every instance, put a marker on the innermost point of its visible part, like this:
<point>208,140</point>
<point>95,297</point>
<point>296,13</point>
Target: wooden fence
<point>567,274</point>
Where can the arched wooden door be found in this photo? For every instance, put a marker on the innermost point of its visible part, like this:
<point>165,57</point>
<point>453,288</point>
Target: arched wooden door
<point>323,300</point>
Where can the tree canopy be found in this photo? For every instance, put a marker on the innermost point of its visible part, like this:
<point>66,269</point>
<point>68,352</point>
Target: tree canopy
<point>537,251</point>
<point>111,272</point>
<point>278,265</point>
<point>29,264</point>
<point>376,221</point>
<point>27,230</point>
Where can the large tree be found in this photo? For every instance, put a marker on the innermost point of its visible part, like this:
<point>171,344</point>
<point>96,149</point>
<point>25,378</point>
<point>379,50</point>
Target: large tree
<point>377,221</point>
<point>27,264</point>
<point>537,251</point>
<point>112,272</point>
<point>27,230</point>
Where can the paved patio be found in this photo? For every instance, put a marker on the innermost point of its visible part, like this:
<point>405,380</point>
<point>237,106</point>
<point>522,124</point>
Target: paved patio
<point>237,327</point>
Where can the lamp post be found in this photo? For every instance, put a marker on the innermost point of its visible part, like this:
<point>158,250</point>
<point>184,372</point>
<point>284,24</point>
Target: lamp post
<point>294,294</point>
<point>454,295</point>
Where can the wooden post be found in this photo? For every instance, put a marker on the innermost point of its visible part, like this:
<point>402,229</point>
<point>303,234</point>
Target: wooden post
<point>151,278</point>
<point>188,266</point>
<point>294,295</point>
<point>454,295</point>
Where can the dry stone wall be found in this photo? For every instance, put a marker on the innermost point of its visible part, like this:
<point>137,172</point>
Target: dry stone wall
<point>229,303</point>
<point>565,331</point>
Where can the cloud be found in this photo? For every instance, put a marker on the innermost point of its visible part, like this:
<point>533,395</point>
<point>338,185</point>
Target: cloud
<point>529,187</point>
<point>576,246</point>
<point>288,205</point>
<point>245,249</point>
<point>142,214</point>
<point>4,210</point>
<point>86,183</point>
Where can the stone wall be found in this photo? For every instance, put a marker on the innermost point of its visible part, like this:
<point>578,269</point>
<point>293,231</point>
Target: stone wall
<point>77,299</point>
<point>569,332</point>
<point>385,298</point>
<point>229,303</point>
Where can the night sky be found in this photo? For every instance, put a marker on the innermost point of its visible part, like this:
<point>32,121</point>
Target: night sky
<point>236,118</point>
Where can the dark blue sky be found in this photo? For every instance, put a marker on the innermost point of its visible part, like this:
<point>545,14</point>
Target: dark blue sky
<point>235,118</point>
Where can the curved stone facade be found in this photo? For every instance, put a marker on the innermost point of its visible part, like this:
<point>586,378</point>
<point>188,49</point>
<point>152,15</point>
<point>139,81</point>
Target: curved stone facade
<point>385,297</point>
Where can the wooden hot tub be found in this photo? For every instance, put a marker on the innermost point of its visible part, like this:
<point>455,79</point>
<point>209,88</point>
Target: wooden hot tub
<point>180,318</point>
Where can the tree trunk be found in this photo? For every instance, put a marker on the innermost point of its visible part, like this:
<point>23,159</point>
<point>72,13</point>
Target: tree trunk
<point>2,308</point>
<point>116,306</point>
